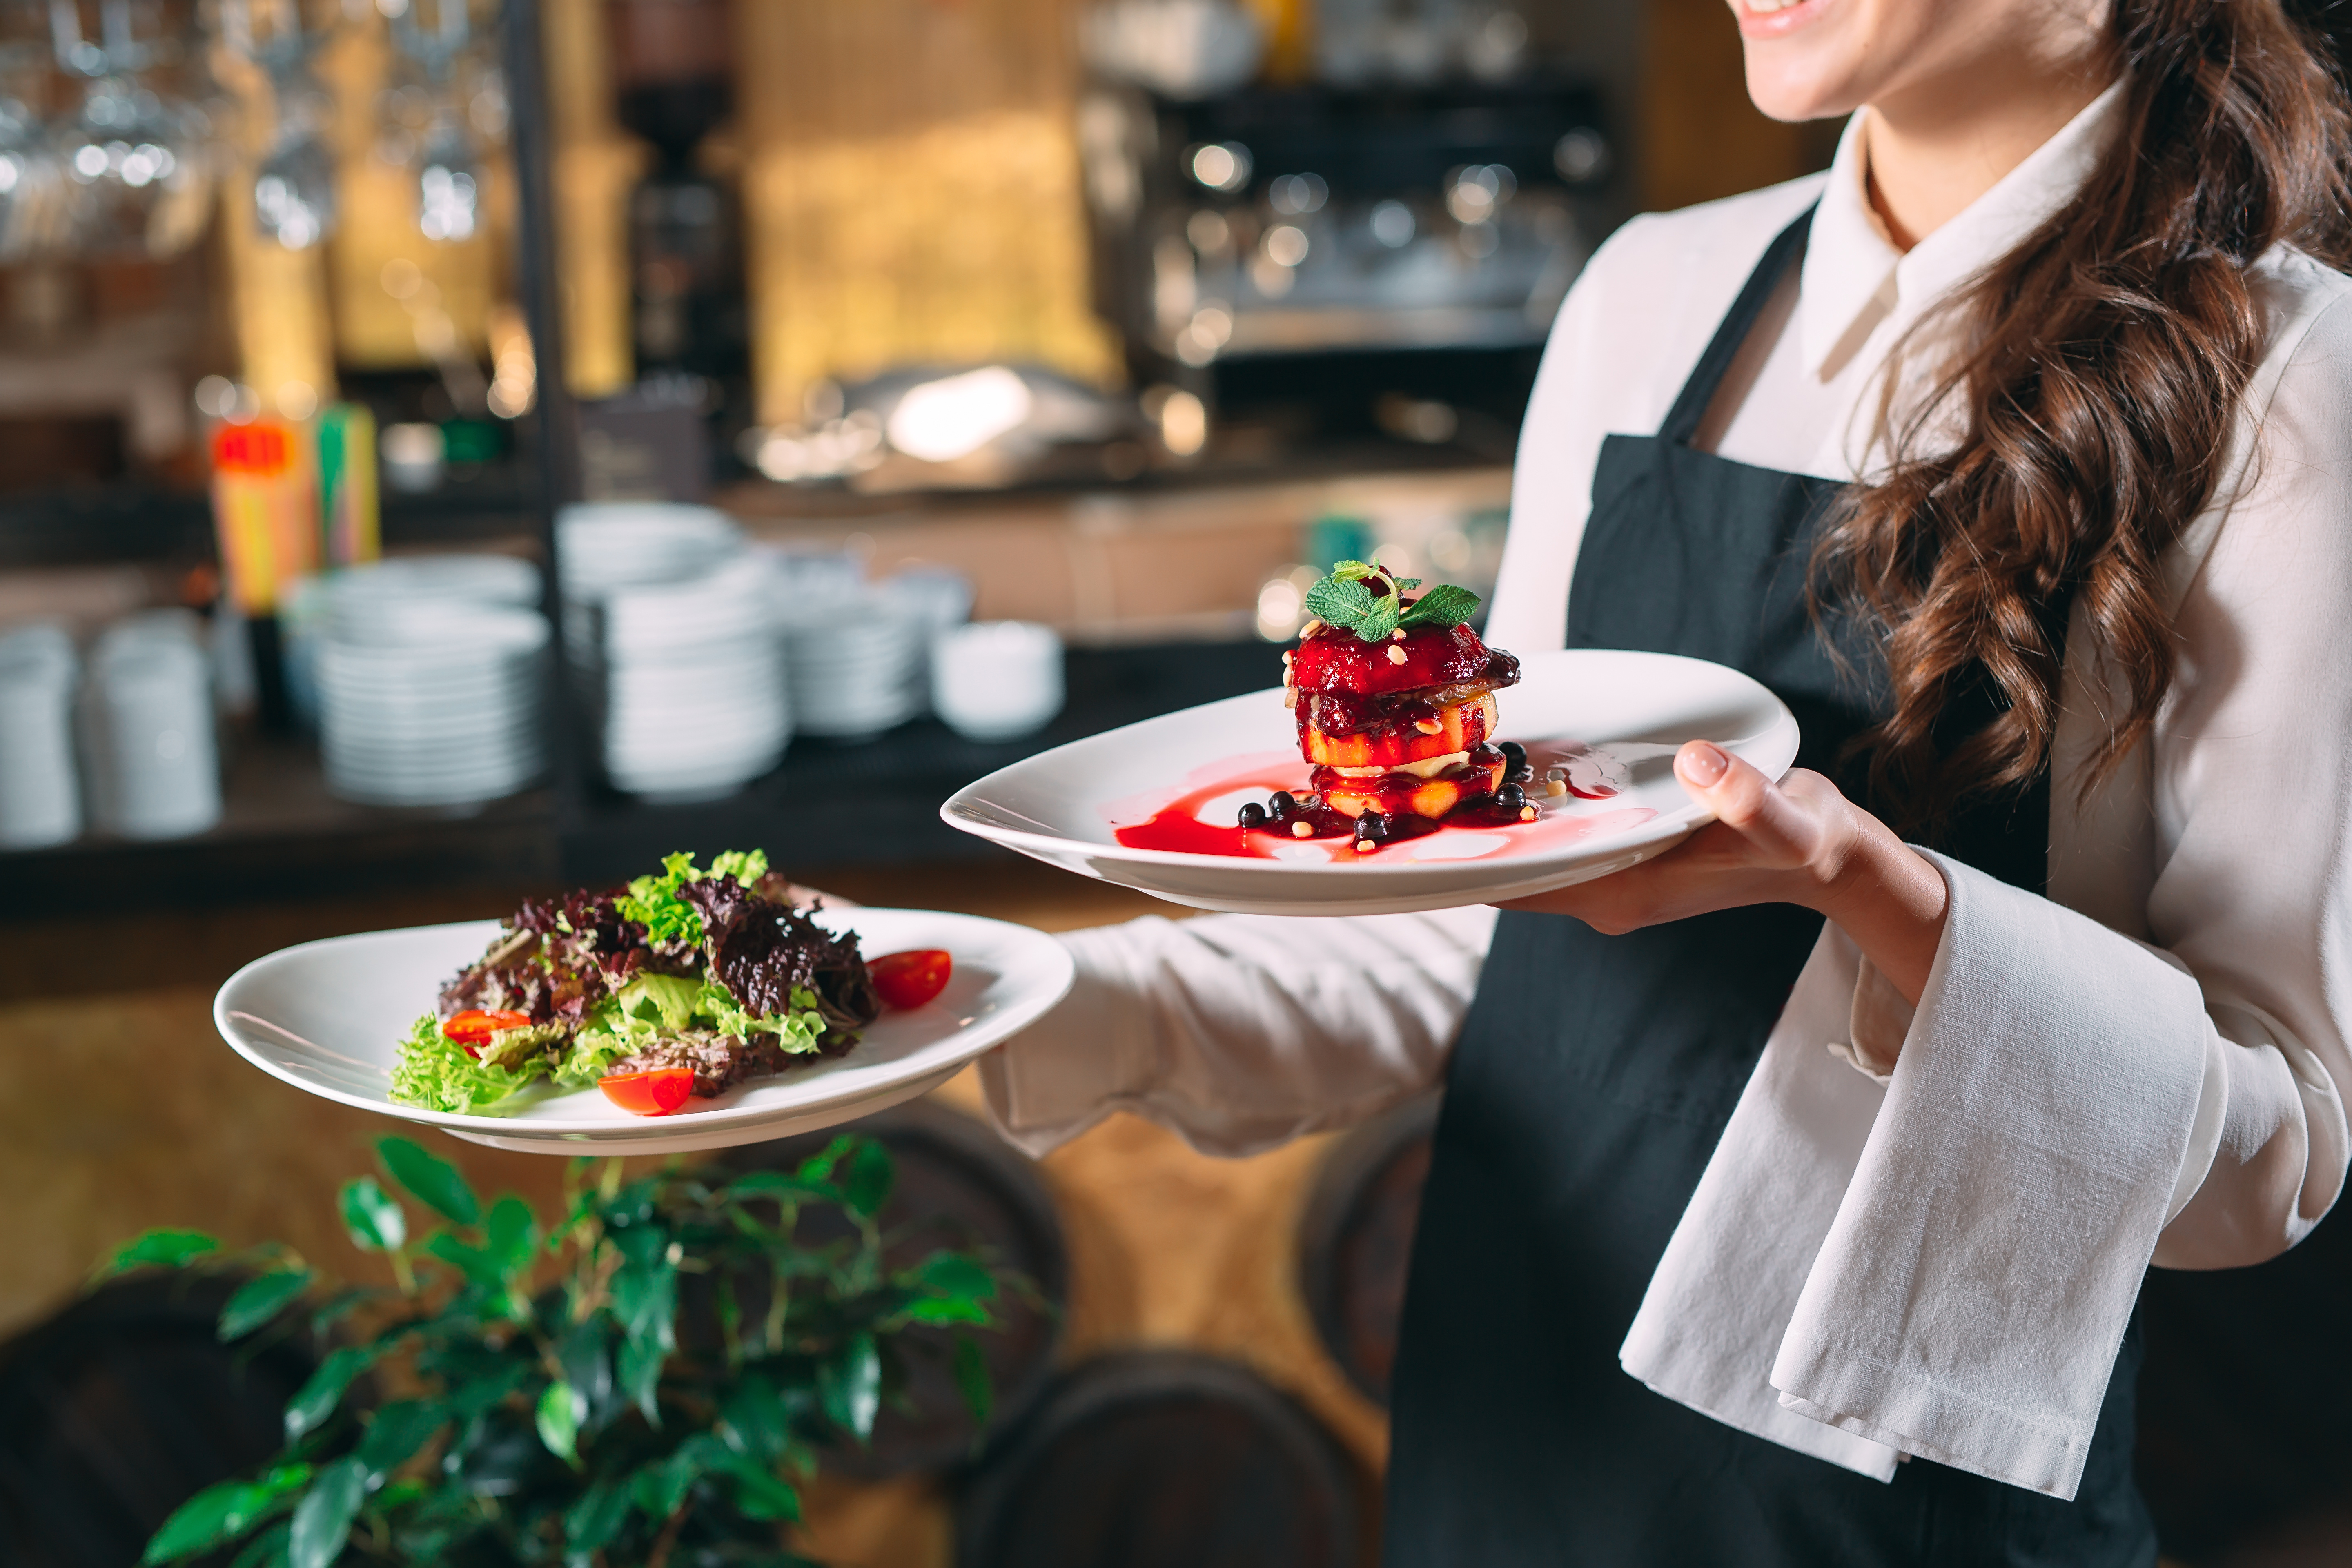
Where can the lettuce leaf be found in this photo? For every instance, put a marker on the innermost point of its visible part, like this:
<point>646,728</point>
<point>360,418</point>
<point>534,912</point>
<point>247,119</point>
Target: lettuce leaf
<point>652,1007</point>
<point>653,901</point>
<point>435,1071</point>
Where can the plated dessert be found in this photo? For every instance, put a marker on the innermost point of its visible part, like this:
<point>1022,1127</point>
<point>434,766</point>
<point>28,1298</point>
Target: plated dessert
<point>1394,696</point>
<point>680,984</point>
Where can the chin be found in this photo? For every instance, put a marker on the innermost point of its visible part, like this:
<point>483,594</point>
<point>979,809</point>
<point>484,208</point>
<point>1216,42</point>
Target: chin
<point>1811,60</point>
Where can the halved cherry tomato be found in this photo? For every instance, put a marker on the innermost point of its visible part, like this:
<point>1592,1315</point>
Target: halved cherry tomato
<point>654,1093</point>
<point>912,979</point>
<point>473,1027</point>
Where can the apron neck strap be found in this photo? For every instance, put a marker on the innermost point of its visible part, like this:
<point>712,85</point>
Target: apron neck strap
<point>1691,406</point>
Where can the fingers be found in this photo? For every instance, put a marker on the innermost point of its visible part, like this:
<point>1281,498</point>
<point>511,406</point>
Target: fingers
<point>1782,831</point>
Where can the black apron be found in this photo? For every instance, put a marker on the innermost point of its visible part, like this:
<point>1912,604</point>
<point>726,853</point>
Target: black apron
<point>1593,1079</point>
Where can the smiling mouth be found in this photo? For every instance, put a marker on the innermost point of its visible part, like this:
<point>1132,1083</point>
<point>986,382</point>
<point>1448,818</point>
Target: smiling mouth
<point>1770,18</point>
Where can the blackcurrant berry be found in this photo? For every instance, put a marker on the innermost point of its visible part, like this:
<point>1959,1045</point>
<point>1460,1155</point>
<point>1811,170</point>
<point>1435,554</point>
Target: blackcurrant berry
<point>1510,797</point>
<point>1252,815</point>
<point>1284,804</point>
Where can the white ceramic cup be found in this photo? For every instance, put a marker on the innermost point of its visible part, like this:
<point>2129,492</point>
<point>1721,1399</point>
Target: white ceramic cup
<point>997,680</point>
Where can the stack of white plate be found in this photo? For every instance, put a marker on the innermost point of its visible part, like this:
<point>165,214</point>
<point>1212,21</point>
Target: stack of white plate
<point>376,603</point>
<point>435,706</point>
<point>694,698</point>
<point>601,546</point>
<point>148,716</point>
<point>39,792</point>
<point>856,661</point>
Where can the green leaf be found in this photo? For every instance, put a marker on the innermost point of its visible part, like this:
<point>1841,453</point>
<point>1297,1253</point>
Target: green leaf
<point>595,1517</point>
<point>322,1525</point>
<point>373,1220</point>
<point>639,1369</point>
<point>585,1353</point>
<point>870,1175</point>
<point>947,1309</point>
<point>560,1410</point>
<point>958,1274</point>
<point>513,1233</point>
<point>782,1185</point>
<point>396,1432</point>
<point>260,1299</point>
<point>755,1419</point>
<point>819,1166</point>
<point>1443,605</point>
<point>973,1383</point>
<point>1352,571</point>
<point>1379,621</point>
<point>159,1249</point>
<point>660,1486</point>
<point>317,1399</point>
<point>266,1550</point>
<point>475,1263</point>
<point>1340,602</point>
<point>760,1492</point>
<point>850,1386</point>
<point>431,1181</point>
<point>221,1513</point>
<point>340,1305</point>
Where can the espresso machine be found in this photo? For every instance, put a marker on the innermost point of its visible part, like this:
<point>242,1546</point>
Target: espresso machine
<point>1384,252</point>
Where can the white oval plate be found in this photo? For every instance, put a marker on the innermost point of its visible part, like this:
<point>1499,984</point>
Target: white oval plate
<point>328,1017</point>
<point>1063,806</point>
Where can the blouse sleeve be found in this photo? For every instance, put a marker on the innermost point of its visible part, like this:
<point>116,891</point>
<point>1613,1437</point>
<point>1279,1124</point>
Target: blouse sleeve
<point>2249,791</point>
<point>1240,1032</point>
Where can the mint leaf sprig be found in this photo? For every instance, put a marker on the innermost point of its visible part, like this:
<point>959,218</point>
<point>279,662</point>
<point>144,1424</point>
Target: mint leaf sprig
<point>1368,601</point>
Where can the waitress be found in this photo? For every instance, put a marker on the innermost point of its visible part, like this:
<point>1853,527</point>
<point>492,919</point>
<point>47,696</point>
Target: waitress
<point>2015,454</point>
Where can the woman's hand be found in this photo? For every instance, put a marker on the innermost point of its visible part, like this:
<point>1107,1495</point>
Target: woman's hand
<point>1796,842</point>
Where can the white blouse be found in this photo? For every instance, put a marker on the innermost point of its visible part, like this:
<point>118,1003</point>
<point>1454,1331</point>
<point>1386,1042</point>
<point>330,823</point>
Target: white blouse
<point>2152,1059</point>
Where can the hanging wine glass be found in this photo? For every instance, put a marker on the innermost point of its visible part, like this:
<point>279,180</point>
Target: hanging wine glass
<point>136,162</point>
<point>448,173</point>
<point>294,187</point>
<point>34,217</point>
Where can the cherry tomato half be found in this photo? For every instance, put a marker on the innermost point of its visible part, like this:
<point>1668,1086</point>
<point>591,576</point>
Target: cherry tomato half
<point>912,979</point>
<point>654,1093</point>
<point>473,1027</point>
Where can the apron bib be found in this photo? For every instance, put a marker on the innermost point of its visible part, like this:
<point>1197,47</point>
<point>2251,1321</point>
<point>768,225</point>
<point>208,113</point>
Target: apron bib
<point>1593,1079</point>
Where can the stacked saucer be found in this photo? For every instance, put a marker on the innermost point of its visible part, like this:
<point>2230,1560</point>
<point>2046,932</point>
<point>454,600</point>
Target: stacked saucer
<point>603,546</point>
<point>435,705</point>
<point>39,794</point>
<point>694,703</point>
<point>373,604</point>
<point>856,659</point>
<point>147,712</point>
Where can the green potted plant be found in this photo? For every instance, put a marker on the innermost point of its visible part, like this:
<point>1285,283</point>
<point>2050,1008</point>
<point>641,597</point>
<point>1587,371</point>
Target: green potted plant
<point>639,1384</point>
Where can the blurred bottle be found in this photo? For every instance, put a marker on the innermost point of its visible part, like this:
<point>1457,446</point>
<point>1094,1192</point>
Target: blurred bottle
<point>267,519</point>
<point>347,484</point>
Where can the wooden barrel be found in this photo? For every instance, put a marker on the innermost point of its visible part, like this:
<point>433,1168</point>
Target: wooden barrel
<point>1162,1459</point>
<point>960,1185</point>
<point>121,1407</point>
<point>1355,1240</point>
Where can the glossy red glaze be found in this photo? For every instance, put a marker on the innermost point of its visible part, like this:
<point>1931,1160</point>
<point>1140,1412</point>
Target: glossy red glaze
<point>1336,660</point>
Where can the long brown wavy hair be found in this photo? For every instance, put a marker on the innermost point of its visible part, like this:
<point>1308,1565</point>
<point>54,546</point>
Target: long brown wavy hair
<point>2096,390</point>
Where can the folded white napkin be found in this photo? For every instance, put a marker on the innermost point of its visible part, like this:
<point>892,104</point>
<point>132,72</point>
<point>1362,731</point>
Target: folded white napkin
<point>1945,1265</point>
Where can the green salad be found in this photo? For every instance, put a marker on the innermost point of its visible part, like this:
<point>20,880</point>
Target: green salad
<point>719,973</point>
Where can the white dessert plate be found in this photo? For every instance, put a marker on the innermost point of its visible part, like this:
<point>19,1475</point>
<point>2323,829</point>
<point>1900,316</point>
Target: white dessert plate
<point>1612,719</point>
<point>328,1017</point>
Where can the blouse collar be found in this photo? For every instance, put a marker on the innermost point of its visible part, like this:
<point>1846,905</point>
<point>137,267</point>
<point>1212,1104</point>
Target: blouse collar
<point>1854,278</point>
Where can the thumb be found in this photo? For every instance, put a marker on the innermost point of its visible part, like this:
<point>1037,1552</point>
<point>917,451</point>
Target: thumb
<point>1745,801</point>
